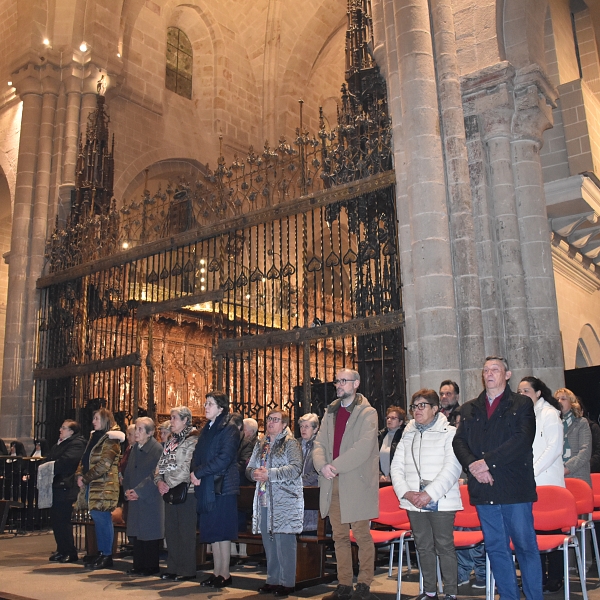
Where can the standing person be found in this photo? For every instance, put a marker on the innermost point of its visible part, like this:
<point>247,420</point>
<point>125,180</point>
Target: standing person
<point>173,469</point>
<point>250,432</point>
<point>449,400</point>
<point>577,437</point>
<point>146,513</point>
<point>494,443</point>
<point>346,457</point>
<point>548,442</point>
<point>66,454</point>
<point>278,507</point>
<point>309,427</point>
<point>130,442</point>
<point>216,479</point>
<point>98,481</point>
<point>389,436</point>
<point>425,475</point>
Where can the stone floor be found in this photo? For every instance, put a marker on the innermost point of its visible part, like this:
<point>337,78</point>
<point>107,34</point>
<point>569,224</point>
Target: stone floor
<point>27,574</point>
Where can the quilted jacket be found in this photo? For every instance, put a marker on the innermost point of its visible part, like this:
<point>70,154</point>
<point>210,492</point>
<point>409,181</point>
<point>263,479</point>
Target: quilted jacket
<point>285,503</point>
<point>102,479</point>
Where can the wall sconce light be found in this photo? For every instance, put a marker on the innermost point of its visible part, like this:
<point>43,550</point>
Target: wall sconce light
<point>83,47</point>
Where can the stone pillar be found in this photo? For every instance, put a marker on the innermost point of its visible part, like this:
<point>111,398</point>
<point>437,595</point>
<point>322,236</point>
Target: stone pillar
<point>430,248</point>
<point>39,226</point>
<point>460,203</point>
<point>17,410</point>
<point>533,114</point>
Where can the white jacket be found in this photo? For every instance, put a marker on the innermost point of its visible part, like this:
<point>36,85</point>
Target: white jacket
<point>437,463</point>
<point>548,467</point>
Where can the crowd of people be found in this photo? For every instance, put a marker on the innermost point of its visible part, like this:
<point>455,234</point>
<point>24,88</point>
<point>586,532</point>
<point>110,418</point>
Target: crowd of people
<point>175,480</point>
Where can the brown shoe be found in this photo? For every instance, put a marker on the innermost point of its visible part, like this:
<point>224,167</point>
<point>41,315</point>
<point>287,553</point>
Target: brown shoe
<point>341,592</point>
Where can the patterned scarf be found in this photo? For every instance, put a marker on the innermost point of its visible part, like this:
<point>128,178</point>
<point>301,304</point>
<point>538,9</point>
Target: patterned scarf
<point>264,455</point>
<point>567,422</point>
<point>168,460</point>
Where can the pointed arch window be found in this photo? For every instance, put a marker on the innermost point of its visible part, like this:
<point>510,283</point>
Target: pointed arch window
<point>180,61</point>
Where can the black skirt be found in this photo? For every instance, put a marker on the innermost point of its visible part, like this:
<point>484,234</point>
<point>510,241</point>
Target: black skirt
<point>221,523</point>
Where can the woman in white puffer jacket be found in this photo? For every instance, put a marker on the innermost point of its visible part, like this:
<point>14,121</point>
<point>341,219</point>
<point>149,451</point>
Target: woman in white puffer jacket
<point>425,475</point>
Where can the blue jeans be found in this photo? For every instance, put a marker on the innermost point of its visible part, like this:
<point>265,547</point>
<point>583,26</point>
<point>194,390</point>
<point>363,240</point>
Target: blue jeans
<point>500,524</point>
<point>104,531</point>
<point>471,559</point>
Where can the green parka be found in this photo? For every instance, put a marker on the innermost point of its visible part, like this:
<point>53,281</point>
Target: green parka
<point>102,479</point>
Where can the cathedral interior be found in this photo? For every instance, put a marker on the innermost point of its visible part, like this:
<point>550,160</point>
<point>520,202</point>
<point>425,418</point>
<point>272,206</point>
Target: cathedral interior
<point>249,196</point>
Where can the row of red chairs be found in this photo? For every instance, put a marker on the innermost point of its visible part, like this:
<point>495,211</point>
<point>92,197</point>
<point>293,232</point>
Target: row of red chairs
<point>572,510</point>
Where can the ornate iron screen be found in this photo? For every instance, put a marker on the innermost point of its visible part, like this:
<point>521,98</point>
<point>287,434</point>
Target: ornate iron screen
<point>262,279</point>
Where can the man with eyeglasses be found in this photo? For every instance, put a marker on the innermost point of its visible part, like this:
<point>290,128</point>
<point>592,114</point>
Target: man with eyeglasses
<point>449,400</point>
<point>494,445</point>
<point>346,456</point>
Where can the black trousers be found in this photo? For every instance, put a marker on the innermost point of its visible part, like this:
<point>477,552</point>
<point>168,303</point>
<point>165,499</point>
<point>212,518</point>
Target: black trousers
<point>60,517</point>
<point>146,554</point>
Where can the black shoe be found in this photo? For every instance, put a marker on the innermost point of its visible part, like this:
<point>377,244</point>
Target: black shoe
<point>184,577</point>
<point>71,558</point>
<point>135,572</point>
<point>553,585</point>
<point>281,591</point>
<point>267,588</point>
<point>88,559</point>
<point>341,592</point>
<point>208,581</point>
<point>221,582</point>
<point>102,562</point>
<point>168,575</point>
<point>56,556</point>
<point>150,572</point>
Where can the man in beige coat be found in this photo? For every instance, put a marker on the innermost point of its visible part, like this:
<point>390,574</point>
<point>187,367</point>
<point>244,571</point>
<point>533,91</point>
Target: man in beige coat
<point>346,456</point>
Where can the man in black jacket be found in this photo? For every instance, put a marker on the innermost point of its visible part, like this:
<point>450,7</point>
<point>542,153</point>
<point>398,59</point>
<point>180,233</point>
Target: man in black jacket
<point>494,445</point>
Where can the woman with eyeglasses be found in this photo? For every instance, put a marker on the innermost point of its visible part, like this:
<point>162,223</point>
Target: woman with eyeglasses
<point>389,436</point>
<point>425,475</point>
<point>216,478</point>
<point>278,510</point>
<point>173,470</point>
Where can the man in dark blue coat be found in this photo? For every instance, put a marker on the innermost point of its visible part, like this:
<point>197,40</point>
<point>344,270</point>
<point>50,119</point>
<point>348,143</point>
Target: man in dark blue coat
<point>494,445</point>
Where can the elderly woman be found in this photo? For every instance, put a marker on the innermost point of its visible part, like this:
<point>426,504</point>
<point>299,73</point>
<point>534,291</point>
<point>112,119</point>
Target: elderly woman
<point>164,432</point>
<point>216,477</point>
<point>389,436</point>
<point>146,513</point>
<point>309,426</point>
<point>98,481</point>
<point>173,470</point>
<point>276,466</point>
<point>425,475</point>
<point>66,454</point>
<point>548,443</point>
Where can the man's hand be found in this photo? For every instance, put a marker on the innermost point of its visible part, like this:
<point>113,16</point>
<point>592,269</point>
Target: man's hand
<point>261,474</point>
<point>329,471</point>
<point>477,467</point>
<point>384,479</point>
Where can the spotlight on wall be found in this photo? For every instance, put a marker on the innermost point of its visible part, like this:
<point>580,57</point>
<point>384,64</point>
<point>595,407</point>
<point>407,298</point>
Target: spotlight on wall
<point>118,55</point>
<point>83,47</point>
<point>125,245</point>
<point>10,84</point>
<point>46,42</point>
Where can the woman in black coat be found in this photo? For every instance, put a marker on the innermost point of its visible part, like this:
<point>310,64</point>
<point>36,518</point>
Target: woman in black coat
<point>66,454</point>
<point>146,512</point>
<point>216,479</point>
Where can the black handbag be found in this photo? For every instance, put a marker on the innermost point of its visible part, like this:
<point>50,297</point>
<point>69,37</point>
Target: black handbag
<point>177,494</point>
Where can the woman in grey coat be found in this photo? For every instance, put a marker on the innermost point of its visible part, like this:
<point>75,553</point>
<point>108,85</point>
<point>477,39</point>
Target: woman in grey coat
<point>146,515</point>
<point>309,426</point>
<point>276,466</point>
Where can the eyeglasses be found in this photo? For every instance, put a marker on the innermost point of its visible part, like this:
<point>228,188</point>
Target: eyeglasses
<point>420,406</point>
<point>273,419</point>
<point>207,404</point>
<point>342,381</point>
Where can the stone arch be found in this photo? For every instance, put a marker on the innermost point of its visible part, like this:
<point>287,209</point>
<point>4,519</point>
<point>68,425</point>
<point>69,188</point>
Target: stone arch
<point>158,167</point>
<point>522,29</point>
<point>588,348</point>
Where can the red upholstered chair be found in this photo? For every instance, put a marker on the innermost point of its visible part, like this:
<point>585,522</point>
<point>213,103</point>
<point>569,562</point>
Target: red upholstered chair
<point>584,500</point>
<point>392,527</point>
<point>554,510</point>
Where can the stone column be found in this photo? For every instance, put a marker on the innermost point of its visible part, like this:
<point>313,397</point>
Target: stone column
<point>460,202</point>
<point>434,300</point>
<point>17,410</point>
<point>39,226</point>
<point>534,98</point>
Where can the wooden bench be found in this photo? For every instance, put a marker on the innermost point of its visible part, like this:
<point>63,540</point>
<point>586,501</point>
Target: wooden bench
<point>310,554</point>
<point>5,506</point>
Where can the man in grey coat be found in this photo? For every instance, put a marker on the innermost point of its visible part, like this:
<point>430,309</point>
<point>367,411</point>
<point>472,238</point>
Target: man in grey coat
<point>346,456</point>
